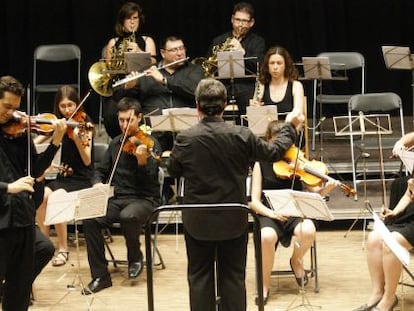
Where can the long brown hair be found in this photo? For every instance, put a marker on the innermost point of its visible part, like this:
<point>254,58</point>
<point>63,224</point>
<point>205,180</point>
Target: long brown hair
<point>69,92</point>
<point>291,72</point>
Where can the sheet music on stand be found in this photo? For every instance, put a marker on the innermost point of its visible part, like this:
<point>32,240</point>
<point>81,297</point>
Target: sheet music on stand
<point>87,203</point>
<point>175,119</point>
<point>298,204</point>
<point>258,117</point>
<point>137,61</point>
<point>397,57</point>
<point>316,68</point>
<point>230,64</point>
<point>407,158</point>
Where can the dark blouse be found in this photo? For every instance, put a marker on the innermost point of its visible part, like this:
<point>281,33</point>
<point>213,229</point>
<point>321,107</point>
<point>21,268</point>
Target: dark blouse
<point>286,104</point>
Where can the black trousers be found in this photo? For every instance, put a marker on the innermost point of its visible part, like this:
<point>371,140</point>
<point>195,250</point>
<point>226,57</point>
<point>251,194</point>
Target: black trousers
<point>132,213</point>
<point>44,250</point>
<point>17,266</point>
<point>231,261</point>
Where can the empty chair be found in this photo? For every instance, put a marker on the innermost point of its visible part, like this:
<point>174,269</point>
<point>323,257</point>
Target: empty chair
<point>53,66</point>
<point>376,122</point>
<point>348,79</point>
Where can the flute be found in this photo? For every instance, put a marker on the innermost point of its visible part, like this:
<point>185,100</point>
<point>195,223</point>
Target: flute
<point>139,75</point>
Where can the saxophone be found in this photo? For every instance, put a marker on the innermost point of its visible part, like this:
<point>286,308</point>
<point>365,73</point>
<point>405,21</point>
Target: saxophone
<point>117,62</point>
<point>209,64</point>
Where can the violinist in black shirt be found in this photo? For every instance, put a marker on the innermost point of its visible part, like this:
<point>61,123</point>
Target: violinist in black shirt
<point>20,194</point>
<point>136,194</point>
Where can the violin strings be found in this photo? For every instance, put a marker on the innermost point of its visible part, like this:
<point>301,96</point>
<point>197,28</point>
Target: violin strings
<point>296,161</point>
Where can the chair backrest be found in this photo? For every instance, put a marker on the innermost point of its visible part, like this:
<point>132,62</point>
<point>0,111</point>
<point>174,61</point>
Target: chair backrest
<point>99,150</point>
<point>57,52</point>
<point>53,66</point>
<point>386,101</point>
<point>343,61</point>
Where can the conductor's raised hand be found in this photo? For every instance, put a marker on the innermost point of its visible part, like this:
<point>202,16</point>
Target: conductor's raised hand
<point>296,118</point>
<point>22,184</point>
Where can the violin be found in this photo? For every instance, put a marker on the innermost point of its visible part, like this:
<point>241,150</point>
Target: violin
<point>41,124</point>
<point>83,126</point>
<point>17,125</point>
<point>134,141</point>
<point>312,173</point>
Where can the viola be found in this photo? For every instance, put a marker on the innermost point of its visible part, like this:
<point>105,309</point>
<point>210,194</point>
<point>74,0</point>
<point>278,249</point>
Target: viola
<point>312,173</point>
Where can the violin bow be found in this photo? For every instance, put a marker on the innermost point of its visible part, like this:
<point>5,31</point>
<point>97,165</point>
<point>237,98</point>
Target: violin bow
<point>28,131</point>
<point>85,97</point>
<point>381,154</point>
<point>120,149</point>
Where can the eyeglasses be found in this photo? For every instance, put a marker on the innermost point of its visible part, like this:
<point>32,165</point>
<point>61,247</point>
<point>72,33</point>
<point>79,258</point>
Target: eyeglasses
<point>241,21</point>
<point>175,50</point>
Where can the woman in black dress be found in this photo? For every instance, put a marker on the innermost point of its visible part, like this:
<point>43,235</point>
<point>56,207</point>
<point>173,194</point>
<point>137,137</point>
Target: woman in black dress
<point>76,163</point>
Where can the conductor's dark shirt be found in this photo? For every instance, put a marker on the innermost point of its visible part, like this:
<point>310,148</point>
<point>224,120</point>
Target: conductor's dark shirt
<point>214,158</point>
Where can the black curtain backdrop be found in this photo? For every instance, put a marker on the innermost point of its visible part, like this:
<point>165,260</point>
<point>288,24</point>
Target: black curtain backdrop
<point>304,27</point>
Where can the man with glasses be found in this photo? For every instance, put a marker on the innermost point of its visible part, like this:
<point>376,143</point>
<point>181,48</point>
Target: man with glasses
<point>172,86</point>
<point>252,45</point>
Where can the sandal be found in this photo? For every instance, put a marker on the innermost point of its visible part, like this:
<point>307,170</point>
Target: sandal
<point>60,259</point>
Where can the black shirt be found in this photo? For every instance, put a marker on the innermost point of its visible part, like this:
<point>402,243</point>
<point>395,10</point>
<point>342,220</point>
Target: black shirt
<point>18,210</point>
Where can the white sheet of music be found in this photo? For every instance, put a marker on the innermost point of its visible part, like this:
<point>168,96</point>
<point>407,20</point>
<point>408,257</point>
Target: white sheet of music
<point>93,202</point>
<point>87,203</point>
<point>407,157</point>
<point>298,204</point>
<point>402,254</point>
<point>61,207</point>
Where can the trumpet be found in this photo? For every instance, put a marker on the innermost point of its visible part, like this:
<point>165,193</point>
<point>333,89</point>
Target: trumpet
<point>136,76</point>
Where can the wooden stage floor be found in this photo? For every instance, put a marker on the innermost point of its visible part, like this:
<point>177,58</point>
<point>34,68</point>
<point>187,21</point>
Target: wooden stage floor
<point>343,279</point>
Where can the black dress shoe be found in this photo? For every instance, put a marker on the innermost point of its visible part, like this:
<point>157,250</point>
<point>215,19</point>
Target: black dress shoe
<point>98,284</point>
<point>135,269</point>
<point>299,280</point>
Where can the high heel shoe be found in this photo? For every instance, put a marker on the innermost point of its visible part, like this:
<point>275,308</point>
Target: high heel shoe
<point>366,307</point>
<point>256,300</point>
<point>299,280</point>
<point>390,309</point>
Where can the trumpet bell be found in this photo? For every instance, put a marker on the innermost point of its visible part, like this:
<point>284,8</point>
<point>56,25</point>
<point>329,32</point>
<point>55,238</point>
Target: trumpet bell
<point>100,78</point>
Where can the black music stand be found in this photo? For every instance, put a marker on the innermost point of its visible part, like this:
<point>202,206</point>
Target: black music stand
<point>305,205</point>
<point>75,206</point>
<point>399,57</point>
<point>231,65</point>
<point>317,69</point>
